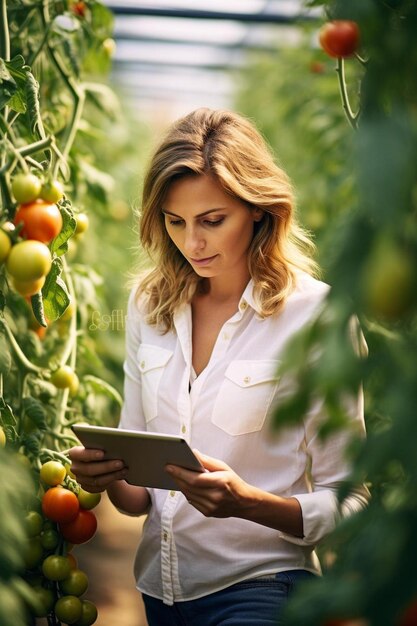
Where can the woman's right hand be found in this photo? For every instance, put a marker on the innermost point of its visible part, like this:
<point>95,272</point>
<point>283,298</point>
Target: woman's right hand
<point>92,473</point>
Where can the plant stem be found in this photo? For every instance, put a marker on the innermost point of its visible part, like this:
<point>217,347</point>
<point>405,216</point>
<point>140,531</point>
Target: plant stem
<point>351,117</point>
<point>4,32</point>
<point>24,362</point>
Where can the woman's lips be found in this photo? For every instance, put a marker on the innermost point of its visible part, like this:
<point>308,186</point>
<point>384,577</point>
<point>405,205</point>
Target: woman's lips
<point>201,262</point>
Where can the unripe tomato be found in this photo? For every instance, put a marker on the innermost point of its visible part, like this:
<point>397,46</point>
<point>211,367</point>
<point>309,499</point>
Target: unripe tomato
<point>29,260</point>
<point>82,223</point>
<point>75,584</point>
<point>56,567</point>
<point>28,288</point>
<point>41,220</point>
<point>109,47</point>
<point>33,552</point>
<point>5,246</point>
<point>33,523</point>
<point>2,437</point>
<point>26,187</point>
<point>49,539</point>
<point>339,38</point>
<point>63,377</point>
<point>81,529</point>
<point>69,312</point>
<point>68,609</point>
<point>88,615</point>
<point>73,561</point>
<point>52,473</point>
<point>88,500</point>
<point>60,504</point>
<point>52,191</point>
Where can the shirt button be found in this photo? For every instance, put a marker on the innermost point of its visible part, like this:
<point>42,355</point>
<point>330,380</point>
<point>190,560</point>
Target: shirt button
<point>172,493</point>
<point>243,305</point>
<point>183,429</point>
<point>142,364</point>
<point>165,535</point>
<point>246,380</point>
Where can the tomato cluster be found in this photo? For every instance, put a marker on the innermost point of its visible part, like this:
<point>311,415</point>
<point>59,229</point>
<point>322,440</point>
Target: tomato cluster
<point>63,518</point>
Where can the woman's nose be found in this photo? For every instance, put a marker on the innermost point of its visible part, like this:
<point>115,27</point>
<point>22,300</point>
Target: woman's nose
<point>193,241</point>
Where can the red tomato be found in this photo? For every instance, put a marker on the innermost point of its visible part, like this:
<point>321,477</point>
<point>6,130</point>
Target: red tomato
<point>339,38</point>
<point>41,220</point>
<point>80,529</point>
<point>60,505</point>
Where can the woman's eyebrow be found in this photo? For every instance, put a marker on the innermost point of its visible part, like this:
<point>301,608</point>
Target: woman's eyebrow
<point>199,214</point>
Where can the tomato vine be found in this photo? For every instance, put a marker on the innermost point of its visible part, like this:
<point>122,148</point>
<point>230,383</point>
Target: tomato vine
<point>45,48</point>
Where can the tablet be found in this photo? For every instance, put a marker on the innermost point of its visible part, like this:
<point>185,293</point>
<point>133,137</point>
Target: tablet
<point>144,453</point>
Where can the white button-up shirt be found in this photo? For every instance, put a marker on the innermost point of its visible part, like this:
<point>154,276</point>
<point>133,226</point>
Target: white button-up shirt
<point>226,414</point>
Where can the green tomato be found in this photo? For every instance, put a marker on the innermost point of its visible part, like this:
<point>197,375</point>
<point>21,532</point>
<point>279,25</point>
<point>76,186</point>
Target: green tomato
<point>29,260</point>
<point>26,187</point>
<point>50,539</point>
<point>56,567</point>
<point>53,473</point>
<point>82,223</point>
<point>2,437</point>
<point>76,584</point>
<point>5,246</point>
<point>33,552</point>
<point>68,609</point>
<point>88,500</point>
<point>52,191</point>
<point>63,377</point>
<point>33,523</point>
<point>88,615</point>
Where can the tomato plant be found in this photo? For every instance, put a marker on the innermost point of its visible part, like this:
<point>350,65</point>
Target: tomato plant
<point>68,609</point>
<point>52,473</point>
<point>75,584</point>
<point>52,191</point>
<point>339,38</point>
<point>26,187</point>
<point>60,504</point>
<point>5,246</point>
<point>56,567</point>
<point>82,223</point>
<point>41,220</point>
<point>88,500</point>
<point>88,614</point>
<point>63,377</point>
<point>81,528</point>
<point>29,260</point>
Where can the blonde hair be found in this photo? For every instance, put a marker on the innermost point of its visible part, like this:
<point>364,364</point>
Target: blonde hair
<point>227,146</point>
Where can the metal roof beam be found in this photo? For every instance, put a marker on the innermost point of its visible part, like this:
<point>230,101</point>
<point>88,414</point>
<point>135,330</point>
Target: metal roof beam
<point>259,18</point>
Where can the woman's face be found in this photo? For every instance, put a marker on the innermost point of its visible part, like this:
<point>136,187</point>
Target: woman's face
<point>210,228</point>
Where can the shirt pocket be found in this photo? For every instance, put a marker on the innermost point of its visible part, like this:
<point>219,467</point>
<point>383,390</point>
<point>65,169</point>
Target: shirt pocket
<point>152,361</point>
<point>245,396</point>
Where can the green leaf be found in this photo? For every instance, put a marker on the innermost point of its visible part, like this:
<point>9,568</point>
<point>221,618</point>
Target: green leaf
<point>6,414</point>
<point>38,310</point>
<point>35,411</point>
<point>60,243</point>
<point>5,357</point>
<point>55,293</point>
<point>14,74</point>
<point>101,386</point>
<point>7,84</point>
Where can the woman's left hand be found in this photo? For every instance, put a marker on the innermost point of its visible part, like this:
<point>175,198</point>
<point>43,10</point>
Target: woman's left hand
<point>218,492</point>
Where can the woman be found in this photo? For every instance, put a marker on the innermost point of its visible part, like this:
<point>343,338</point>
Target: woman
<point>206,329</point>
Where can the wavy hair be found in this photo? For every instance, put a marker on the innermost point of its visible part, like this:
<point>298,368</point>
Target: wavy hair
<point>227,146</point>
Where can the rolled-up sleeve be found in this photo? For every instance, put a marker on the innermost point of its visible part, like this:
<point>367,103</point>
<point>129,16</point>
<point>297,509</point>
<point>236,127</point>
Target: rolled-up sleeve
<point>330,467</point>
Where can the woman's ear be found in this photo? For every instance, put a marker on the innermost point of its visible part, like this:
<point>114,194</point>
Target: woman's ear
<point>258,214</point>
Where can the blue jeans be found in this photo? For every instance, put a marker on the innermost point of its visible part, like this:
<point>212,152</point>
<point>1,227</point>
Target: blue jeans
<point>253,602</point>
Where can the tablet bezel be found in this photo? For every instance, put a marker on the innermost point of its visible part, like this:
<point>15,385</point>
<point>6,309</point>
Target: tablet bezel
<point>144,453</point>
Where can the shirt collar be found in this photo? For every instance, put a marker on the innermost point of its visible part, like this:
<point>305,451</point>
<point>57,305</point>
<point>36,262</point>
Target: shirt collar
<point>248,299</point>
